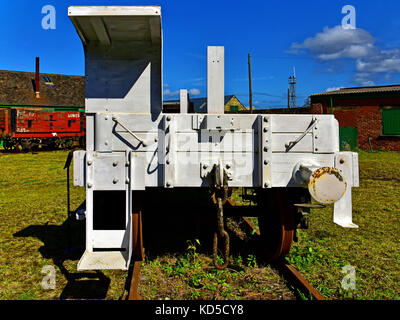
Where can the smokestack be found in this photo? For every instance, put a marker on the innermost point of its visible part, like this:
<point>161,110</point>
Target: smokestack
<point>37,79</point>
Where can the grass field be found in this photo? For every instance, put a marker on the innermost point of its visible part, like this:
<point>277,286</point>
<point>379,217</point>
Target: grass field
<point>33,233</point>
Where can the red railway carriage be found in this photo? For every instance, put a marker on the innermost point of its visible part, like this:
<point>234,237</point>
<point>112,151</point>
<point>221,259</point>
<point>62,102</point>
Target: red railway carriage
<point>27,128</point>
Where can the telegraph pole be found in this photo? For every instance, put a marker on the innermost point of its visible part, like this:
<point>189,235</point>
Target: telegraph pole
<point>250,91</point>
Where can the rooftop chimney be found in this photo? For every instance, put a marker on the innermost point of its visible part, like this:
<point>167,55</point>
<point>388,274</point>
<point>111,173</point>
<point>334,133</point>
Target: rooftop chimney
<point>37,79</point>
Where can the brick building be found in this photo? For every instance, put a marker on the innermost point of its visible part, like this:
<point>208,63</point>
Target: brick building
<point>369,117</point>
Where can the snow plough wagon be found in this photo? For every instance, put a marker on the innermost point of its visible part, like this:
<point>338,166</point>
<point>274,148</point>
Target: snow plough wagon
<point>137,156</point>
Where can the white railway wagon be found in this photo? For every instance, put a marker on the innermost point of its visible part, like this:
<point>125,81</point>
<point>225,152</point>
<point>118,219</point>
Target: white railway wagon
<point>133,147</point>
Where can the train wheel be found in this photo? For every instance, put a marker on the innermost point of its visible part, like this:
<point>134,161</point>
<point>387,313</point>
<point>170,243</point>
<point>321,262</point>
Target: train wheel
<point>277,224</point>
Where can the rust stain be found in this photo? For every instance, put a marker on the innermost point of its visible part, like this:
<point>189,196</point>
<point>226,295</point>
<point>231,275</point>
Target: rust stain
<point>322,173</point>
<point>319,173</point>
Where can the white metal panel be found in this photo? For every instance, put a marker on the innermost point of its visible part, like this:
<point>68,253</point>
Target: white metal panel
<point>90,131</point>
<point>108,238</point>
<point>343,209</point>
<point>123,48</point>
<point>279,141</point>
<point>188,170</point>
<point>87,11</point>
<point>215,80</point>
<point>326,135</point>
<point>118,86</point>
<point>205,141</point>
<point>103,260</point>
<point>284,163</point>
<point>79,168</point>
<point>170,151</point>
<point>265,151</point>
<point>184,99</point>
<point>190,122</point>
<point>290,123</point>
<point>109,171</point>
<point>138,171</point>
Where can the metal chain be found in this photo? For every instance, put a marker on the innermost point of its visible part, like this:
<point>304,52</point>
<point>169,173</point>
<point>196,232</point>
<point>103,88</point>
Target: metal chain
<point>221,233</point>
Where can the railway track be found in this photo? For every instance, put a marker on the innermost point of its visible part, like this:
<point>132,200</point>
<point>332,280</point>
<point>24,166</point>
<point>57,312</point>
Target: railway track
<point>292,277</point>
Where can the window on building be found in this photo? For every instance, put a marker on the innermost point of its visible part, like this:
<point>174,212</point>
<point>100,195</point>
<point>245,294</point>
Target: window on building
<point>234,108</point>
<point>70,122</point>
<point>29,124</point>
<point>391,121</point>
<point>47,80</point>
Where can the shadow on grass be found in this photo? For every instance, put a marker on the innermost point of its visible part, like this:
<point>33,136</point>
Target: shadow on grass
<point>57,246</point>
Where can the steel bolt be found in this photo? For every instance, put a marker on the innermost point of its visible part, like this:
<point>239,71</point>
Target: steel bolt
<point>115,180</point>
<point>266,184</point>
<point>168,184</point>
<point>115,163</point>
<point>265,149</point>
<point>265,119</point>
<point>266,161</point>
<point>167,162</point>
<point>89,185</point>
<point>228,166</point>
<point>265,129</point>
<point>89,162</point>
<point>205,166</point>
<point>168,118</point>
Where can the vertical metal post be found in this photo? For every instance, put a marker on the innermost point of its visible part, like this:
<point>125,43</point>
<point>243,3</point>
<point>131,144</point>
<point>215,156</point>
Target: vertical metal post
<point>184,99</point>
<point>250,89</point>
<point>66,166</point>
<point>215,80</point>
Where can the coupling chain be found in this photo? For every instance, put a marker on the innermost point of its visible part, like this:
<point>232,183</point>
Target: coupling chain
<point>221,233</point>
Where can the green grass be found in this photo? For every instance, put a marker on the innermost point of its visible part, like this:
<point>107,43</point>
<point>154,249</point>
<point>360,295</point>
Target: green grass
<point>33,233</point>
<point>372,249</point>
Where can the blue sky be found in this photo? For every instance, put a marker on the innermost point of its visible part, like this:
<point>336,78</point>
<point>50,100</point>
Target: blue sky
<point>278,35</point>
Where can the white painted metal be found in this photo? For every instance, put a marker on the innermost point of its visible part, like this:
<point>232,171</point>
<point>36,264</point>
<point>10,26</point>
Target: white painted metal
<point>325,184</point>
<point>102,260</point>
<point>132,145</point>
<point>184,101</point>
<point>79,168</point>
<point>342,211</point>
<point>215,80</point>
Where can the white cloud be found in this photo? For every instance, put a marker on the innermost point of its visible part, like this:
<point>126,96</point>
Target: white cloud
<point>194,92</point>
<point>382,61</point>
<point>333,44</point>
<point>363,78</point>
<point>333,89</point>
<point>169,93</point>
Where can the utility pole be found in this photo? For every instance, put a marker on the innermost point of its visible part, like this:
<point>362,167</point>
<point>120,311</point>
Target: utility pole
<point>250,91</point>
